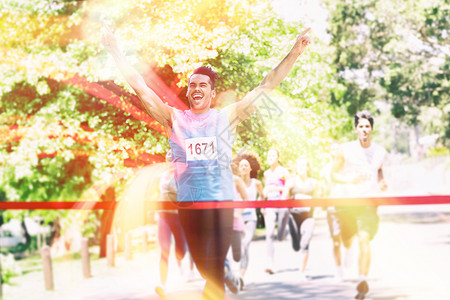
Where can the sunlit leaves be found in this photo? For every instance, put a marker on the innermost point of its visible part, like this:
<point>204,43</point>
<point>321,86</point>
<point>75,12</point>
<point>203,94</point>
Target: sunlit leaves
<point>304,128</point>
<point>182,34</point>
<point>392,50</point>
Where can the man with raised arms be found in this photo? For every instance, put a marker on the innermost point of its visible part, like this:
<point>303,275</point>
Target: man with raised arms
<point>201,139</point>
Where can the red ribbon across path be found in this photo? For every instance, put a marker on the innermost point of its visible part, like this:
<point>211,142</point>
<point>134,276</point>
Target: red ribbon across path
<point>159,205</point>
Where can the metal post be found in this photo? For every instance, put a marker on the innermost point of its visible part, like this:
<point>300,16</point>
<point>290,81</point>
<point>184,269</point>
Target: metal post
<point>85,259</point>
<point>47,267</point>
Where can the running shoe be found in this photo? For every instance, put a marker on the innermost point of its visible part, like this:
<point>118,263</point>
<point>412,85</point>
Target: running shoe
<point>242,283</point>
<point>302,277</point>
<point>363,289</point>
<point>270,271</point>
<point>338,275</point>
<point>233,283</point>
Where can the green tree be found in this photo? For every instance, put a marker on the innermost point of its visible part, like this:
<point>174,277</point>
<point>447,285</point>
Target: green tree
<point>419,73</point>
<point>393,51</point>
<point>298,119</point>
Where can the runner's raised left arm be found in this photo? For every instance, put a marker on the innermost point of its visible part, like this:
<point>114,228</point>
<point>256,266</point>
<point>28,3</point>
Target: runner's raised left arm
<point>244,108</point>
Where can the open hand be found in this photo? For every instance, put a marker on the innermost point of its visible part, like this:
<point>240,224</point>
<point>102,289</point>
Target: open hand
<point>109,40</point>
<point>302,41</point>
<point>382,184</point>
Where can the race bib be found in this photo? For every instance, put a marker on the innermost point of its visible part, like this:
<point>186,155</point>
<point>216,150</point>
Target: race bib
<point>201,148</point>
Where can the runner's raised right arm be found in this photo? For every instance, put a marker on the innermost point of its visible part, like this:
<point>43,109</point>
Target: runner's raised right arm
<point>157,109</point>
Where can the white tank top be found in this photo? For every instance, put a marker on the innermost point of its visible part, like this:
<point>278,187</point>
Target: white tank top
<point>365,162</point>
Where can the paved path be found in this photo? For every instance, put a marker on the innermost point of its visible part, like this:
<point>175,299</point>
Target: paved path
<point>411,260</point>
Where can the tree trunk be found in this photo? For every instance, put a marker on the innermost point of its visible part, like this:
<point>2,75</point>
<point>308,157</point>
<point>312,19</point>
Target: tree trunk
<point>106,220</point>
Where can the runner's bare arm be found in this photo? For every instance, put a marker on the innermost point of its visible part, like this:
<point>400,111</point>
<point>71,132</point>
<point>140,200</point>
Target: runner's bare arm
<point>319,189</point>
<point>381,181</point>
<point>265,191</point>
<point>240,187</point>
<point>260,190</point>
<point>338,176</point>
<point>287,190</point>
<point>241,110</point>
<point>265,187</point>
<point>151,101</point>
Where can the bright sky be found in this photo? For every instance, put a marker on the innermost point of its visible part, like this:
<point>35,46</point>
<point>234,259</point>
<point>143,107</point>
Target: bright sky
<point>310,12</point>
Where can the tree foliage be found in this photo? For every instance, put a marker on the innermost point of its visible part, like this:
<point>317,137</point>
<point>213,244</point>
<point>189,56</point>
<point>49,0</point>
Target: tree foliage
<point>297,117</point>
<point>394,51</point>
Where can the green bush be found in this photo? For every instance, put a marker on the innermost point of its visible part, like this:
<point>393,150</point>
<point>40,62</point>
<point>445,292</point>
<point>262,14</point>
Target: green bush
<point>30,247</point>
<point>438,151</point>
<point>9,267</point>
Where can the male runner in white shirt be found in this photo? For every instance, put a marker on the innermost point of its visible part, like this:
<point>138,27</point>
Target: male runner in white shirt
<point>362,174</point>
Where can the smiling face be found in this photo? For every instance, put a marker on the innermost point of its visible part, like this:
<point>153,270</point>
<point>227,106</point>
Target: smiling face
<point>200,93</point>
<point>244,167</point>
<point>272,157</point>
<point>301,167</point>
<point>363,130</point>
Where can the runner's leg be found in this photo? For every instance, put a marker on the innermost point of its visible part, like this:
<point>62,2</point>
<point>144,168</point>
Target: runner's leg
<point>178,234</point>
<point>164,236</point>
<point>269,220</point>
<point>196,236</point>
<point>283,218</point>
<point>294,229</point>
<point>306,232</point>
<point>236,245</point>
<point>218,243</point>
<point>249,231</point>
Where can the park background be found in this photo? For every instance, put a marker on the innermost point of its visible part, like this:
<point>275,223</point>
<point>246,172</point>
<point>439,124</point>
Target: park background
<point>72,130</point>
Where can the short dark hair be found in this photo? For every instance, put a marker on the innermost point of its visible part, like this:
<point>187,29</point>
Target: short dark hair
<point>364,114</point>
<point>208,71</point>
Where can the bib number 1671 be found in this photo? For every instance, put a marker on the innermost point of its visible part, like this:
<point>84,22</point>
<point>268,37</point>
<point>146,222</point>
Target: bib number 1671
<point>201,148</point>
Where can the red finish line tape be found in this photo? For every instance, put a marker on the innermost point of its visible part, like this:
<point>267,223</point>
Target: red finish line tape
<point>80,205</point>
<point>161,205</point>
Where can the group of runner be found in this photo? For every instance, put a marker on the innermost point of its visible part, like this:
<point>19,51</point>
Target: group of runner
<point>278,184</point>
<point>351,171</point>
<point>201,140</point>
